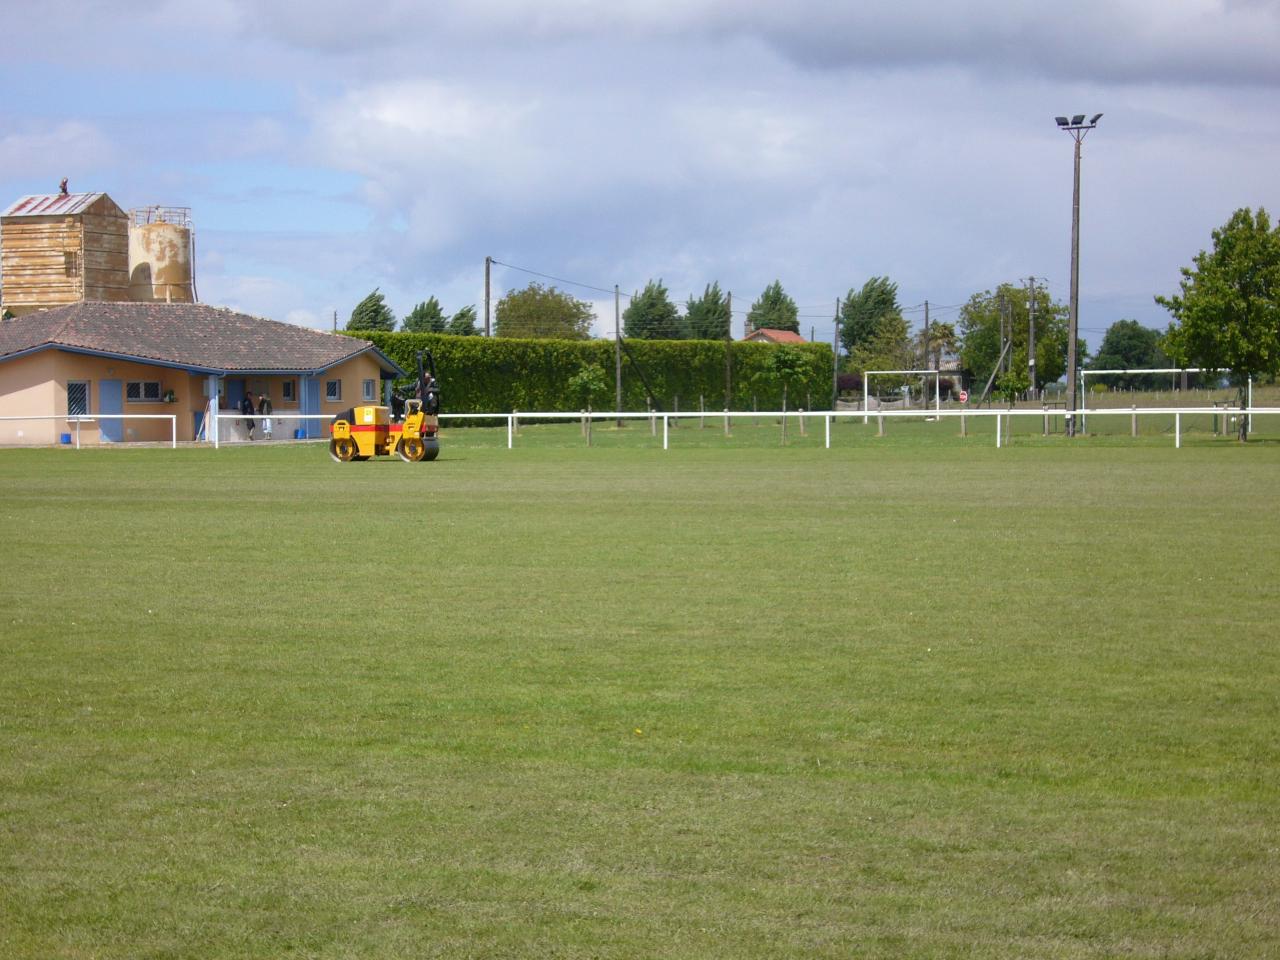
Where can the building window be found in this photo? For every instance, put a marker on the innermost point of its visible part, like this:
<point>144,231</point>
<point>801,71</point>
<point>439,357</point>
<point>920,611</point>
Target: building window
<point>370,390</point>
<point>289,391</point>
<point>333,391</point>
<point>142,391</point>
<point>77,398</point>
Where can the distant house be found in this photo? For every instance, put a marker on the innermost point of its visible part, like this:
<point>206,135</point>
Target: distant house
<point>94,359</point>
<point>769,335</point>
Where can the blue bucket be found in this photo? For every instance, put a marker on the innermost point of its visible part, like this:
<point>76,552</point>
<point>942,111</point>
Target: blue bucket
<point>64,438</point>
<point>300,434</point>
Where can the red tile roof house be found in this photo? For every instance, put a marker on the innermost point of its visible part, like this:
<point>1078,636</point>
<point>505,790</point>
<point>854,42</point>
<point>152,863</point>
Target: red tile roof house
<point>104,360</point>
<point>770,335</point>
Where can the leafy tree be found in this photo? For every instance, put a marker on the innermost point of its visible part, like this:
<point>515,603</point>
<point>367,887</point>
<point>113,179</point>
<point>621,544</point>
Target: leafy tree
<point>1014,382</point>
<point>889,348</point>
<point>941,341</point>
<point>652,315</point>
<point>589,384</point>
<point>787,367</point>
<point>774,310</point>
<point>463,323</point>
<point>708,316</point>
<point>861,312</point>
<point>425,318</point>
<point>542,312</point>
<point>1128,345</point>
<point>1228,314</point>
<point>372,313</point>
<point>980,320</point>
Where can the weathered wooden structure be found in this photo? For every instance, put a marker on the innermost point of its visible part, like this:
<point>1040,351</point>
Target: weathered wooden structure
<point>63,248</point>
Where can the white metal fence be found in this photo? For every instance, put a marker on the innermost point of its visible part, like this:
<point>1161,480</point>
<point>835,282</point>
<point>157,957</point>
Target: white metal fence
<point>74,423</point>
<point>1003,418</point>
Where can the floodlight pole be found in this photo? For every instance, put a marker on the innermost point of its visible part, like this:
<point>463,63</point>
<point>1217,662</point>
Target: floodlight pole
<point>1078,130</point>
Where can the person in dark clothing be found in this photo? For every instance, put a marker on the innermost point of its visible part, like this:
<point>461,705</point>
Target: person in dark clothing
<point>264,411</point>
<point>246,407</point>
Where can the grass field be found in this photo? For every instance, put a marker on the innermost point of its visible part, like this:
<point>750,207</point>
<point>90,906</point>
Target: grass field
<point>909,697</point>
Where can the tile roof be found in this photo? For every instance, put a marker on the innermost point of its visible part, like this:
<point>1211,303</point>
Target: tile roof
<point>192,335</point>
<point>51,204</point>
<point>775,336</point>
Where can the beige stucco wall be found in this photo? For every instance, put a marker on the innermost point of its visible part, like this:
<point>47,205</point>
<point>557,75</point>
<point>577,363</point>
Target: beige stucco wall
<point>27,389</point>
<point>37,385</point>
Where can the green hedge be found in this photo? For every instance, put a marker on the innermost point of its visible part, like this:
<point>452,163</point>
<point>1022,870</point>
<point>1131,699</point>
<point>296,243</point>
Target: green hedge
<point>500,374</point>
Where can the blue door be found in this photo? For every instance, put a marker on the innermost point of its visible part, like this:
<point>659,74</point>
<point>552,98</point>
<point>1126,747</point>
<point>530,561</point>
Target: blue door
<point>311,404</point>
<point>235,393</point>
<point>111,400</point>
<point>199,422</point>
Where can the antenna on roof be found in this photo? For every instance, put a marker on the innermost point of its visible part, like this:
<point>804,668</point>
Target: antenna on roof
<point>62,187</point>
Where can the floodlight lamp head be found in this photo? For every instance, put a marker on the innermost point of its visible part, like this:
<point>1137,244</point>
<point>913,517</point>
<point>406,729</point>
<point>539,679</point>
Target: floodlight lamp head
<point>1077,119</point>
<point>1062,121</point>
<point>1096,118</point>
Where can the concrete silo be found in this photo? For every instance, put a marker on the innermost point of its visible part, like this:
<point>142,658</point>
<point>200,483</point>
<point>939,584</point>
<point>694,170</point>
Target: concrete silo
<point>161,255</point>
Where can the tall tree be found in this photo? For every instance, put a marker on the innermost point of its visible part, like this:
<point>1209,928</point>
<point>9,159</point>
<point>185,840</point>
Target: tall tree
<point>1128,345</point>
<point>463,323</point>
<point>980,322</point>
<point>542,312</point>
<point>774,310</point>
<point>889,348</point>
<point>937,343</point>
<point>372,313</point>
<point>708,315</point>
<point>1228,314</point>
<point>652,316</point>
<point>426,317</point>
<point>862,311</point>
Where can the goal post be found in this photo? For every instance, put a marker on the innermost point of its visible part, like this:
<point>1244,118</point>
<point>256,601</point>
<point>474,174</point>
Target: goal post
<point>866,386</point>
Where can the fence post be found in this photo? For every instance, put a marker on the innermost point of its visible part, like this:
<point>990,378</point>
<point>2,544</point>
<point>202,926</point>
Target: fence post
<point>1177,431</point>
<point>510,430</point>
<point>827,420</point>
<point>1044,409</point>
<point>964,425</point>
<point>664,431</point>
<point>173,426</point>
<point>998,419</point>
<point>726,422</point>
<point>1133,422</point>
<point>804,430</point>
<point>702,412</point>
<point>880,423</point>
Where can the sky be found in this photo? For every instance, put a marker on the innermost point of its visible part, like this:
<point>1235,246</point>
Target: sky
<point>328,147</point>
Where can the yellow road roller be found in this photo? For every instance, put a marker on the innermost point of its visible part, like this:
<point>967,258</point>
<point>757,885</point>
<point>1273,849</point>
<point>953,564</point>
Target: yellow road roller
<point>375,431</point>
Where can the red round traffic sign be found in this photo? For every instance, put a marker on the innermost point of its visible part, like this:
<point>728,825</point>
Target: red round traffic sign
<point>964,396</point>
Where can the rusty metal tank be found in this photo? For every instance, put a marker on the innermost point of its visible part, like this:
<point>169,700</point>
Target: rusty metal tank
<point>161,255</point>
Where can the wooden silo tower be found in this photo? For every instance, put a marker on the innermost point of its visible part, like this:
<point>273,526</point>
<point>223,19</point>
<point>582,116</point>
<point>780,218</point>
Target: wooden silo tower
<point>62,248</point>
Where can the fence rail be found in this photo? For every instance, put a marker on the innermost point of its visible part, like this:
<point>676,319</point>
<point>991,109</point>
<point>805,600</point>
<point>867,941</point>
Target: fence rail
<point>1001,416</point>
<point>77,420</point>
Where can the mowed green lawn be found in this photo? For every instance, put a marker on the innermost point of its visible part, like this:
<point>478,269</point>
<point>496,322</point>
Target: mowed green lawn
<point>909,697</point>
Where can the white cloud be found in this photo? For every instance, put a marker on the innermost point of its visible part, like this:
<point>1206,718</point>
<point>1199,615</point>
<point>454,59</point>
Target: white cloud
<point>50,153</point>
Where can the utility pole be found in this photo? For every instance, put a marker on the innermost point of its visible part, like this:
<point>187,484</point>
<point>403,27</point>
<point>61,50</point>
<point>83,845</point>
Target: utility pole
<point>728,352</point>
<point>1078,130</point>
<point>488,261</point>
<point>1031,334</point>
<point>617,355</point>
<point>335,321</point>
<point>926,333</point>
<point>835,363</point>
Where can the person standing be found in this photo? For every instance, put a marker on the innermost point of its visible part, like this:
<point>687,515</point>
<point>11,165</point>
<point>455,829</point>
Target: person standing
<point>264,411</point>
<point>246,407</point>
